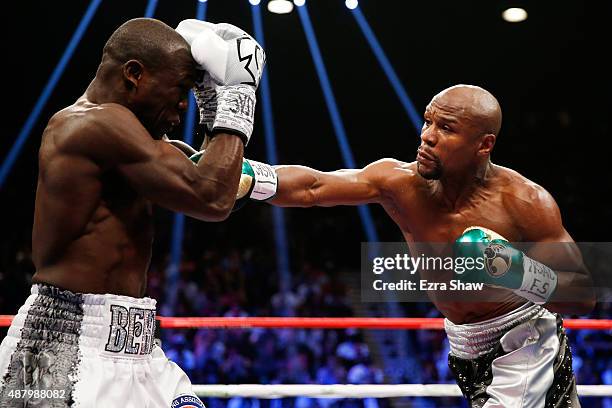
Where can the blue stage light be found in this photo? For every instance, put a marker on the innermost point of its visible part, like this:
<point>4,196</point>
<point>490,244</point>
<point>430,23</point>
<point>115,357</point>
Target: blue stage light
<point>25,131</point>
<point>280,229</point>
<point>330,101</point>
<point>413,115</point>
<point>178,228</point>
<point>151,6</point>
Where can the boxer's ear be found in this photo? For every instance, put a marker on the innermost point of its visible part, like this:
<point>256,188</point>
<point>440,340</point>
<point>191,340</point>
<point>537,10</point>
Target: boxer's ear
<point>486,144</point>
<point>132,73</point>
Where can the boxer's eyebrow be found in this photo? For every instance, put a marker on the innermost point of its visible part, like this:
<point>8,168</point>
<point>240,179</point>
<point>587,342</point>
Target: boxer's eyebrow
<point>448,119</point>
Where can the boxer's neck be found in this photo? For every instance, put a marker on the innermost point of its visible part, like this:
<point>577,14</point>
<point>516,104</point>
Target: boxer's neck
<point>108,86</point>
<point>458,189</point>
<point>102,91</point>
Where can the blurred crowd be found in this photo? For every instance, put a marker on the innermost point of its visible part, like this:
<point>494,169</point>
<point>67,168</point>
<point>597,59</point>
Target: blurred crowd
<point>235,283</point>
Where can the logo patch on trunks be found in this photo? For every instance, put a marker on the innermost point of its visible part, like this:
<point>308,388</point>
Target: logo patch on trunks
<point>131,330</point>
<point>187,401</point>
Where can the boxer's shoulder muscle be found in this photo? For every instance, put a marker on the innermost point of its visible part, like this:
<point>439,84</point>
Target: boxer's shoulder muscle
<point>108,134</point>
<point>530,205</point>
<point>61,156</point>
<point>520,193</point>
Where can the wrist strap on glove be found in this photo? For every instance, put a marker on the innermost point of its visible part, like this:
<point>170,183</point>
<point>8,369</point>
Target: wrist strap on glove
<point>539,281</point>
<point>265,180</point>
<point>235,111</point>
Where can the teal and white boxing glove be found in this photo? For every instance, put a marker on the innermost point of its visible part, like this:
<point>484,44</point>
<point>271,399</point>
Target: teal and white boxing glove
<point>504,266</point>
<point>232,63</point>
<point>258,181</point>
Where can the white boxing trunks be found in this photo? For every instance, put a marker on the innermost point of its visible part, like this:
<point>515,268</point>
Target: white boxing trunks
<point>68,349</point>
<point>519,360</point>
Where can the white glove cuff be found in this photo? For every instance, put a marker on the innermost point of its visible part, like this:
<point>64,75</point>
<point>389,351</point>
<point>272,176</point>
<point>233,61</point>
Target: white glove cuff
<point>235,110</point>
<point>266,181</point>
<point>539,281</point>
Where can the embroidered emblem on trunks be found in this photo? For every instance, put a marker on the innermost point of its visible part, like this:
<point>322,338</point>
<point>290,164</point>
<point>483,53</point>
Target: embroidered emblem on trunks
<point>187,401</point>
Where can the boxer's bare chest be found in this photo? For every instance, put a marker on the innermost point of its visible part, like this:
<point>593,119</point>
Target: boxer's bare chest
<point>425,218</point>
<point>424,215</point>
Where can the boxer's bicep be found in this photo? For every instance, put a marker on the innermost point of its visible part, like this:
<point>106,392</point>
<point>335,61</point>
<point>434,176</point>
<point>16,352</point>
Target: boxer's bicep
<point>346,187</point>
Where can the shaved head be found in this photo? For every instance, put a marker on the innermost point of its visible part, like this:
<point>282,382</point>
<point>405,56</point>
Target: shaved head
<point>147,67</point>
<point>147,40</point>
<point>474,103</point>
<point>461,124</point>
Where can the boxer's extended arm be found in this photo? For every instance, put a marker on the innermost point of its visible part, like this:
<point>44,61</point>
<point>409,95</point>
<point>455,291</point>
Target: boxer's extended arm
<point>160,172</point>
<point>300,186</point>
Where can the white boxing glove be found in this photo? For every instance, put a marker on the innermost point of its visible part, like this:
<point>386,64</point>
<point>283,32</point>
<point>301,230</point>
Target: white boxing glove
<point>233,63</point>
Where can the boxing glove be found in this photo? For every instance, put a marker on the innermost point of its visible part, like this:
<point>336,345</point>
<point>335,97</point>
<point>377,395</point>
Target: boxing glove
<point>503,265</point>
<point>231,64</point>
<point>258,181</point>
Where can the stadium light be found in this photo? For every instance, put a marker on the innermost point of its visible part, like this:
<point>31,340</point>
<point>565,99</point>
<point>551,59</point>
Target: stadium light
<point>514,15</point>
<point>254,2</point>
<point>280,6</point>
<point>351,4</point>
<point>299,3</point>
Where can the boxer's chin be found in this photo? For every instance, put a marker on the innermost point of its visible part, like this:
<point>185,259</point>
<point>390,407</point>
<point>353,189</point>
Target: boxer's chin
<point>429,172</point>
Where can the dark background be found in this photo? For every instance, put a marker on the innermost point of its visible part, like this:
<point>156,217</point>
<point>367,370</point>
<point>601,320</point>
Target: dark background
<point>547,72</point>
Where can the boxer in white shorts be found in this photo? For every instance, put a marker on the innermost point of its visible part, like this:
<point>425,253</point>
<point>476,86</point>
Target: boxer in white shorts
<point>84,338</point>
<point>86,350</point>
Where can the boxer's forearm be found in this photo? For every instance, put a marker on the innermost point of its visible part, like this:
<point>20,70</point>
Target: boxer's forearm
<point>300,186</point>
<point>574,294</point>
<point>295,186</point>
<point>220,168</point>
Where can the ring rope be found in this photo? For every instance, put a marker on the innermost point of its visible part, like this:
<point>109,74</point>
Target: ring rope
<point>341,390</point>
<point>404,323</point>
<point>353,390</point>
